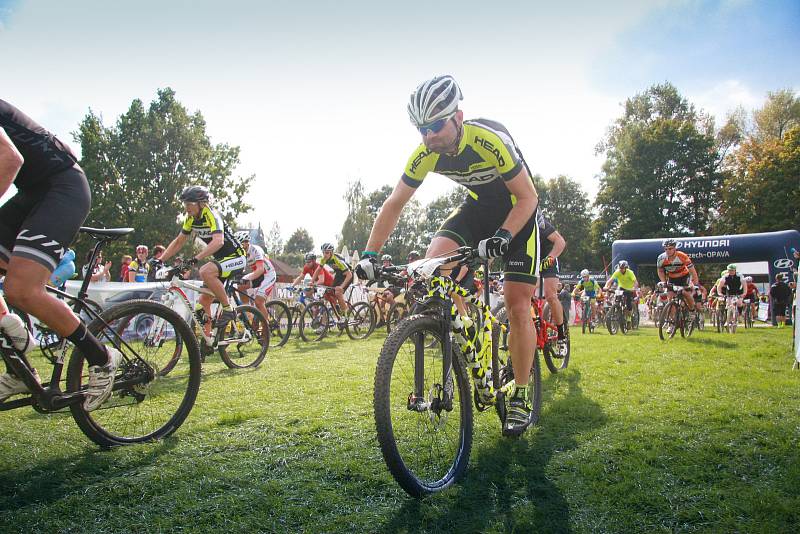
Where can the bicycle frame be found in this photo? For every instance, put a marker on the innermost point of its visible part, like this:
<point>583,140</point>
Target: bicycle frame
<point>48,395</point>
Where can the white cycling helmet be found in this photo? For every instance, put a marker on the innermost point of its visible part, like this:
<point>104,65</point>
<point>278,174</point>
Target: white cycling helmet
<point>623,263</point>
<point>585,272</point>
<point>434,99</point>
<point>748,279</point>
<point>242,236</point>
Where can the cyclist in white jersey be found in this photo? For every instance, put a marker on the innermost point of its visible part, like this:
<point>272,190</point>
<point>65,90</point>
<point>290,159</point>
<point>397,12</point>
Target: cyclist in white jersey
<point>261,276</point>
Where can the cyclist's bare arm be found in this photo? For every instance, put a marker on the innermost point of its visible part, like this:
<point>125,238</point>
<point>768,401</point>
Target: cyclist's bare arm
<point>10,162</point>
<point>175,246</point>
<point>559,244</point>
<point>662,274</point>
<point>695,278</point>
<point>260,270</point>
<point>387,218</point>
<point>217,240</point>
<point>521,187</point>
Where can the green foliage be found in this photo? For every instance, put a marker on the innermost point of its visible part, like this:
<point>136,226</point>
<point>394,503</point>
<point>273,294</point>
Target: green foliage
<point>566,206</point>
<point>138,166</point>
<point>299,242</point>
<point>780,113</point>
<point>362,210</point>
<point>661,173</point>
<point>437,211</point>
<point>762,192</point>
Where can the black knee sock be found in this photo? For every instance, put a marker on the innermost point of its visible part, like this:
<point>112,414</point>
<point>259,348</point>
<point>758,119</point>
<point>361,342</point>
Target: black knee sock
<point>562,333</point>
<point>94,352</point>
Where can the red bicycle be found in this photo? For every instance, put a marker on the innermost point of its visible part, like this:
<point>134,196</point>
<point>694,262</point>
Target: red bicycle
<point>546,333</point>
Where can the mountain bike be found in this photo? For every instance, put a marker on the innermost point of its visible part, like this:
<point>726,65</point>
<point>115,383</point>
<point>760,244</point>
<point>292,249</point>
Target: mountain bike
<point>278,316</point>
<point>588,319</point>
<point>675,316</point>
<point>615,315</point>
<point>546,334</point>
<point>241,343</point>
<point>747,316</point>
<point>322,315</point>
<point>145,404</point>
<point>422,398</point>
<point>731,318</point>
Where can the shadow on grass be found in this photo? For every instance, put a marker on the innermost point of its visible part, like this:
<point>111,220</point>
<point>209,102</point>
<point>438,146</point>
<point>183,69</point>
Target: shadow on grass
<point>506,487</point>
<point>44,483</point>
<point>713,342</point>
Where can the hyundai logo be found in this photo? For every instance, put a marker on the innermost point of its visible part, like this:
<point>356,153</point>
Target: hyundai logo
<point>784,263</point>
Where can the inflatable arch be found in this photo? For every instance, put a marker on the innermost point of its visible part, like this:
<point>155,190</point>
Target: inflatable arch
<point>772,247</point>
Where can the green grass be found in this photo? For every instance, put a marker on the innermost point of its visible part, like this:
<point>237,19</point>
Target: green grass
<point>636,436</point>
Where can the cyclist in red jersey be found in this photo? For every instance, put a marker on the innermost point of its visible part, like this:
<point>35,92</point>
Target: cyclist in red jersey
<point>751,294</point>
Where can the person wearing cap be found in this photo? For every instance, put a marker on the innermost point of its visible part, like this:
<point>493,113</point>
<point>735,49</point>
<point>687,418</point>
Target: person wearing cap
<point>751,294</point>
<point>139,269</point>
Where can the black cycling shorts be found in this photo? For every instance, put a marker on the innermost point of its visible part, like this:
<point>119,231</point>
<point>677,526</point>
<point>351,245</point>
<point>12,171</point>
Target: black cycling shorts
<point>552,271</point>
<point>40,222</point>
<point>338,279</point>
<point>780,307</point>
<point>471,222</point>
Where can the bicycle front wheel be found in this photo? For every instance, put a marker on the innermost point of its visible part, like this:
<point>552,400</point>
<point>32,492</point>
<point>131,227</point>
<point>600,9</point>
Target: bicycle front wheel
<point>315,321</point>
<point>146,404</point>
<point>425,441</point>
<point>360,321</point>
<point>280,322</point>
<point>244,341</point>
<point>669,321</point>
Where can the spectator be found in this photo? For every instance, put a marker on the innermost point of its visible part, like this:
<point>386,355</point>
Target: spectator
<point>123,270</point>
<point>100,272</point>
<point>140,267</point>
<point>155,262</point>
<point>565,297</point>
<point>781,295</point>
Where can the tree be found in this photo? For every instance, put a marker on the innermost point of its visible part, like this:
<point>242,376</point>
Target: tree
<point>661,175</point>
<point>273,242</point>
<point>299,242</point>
<point>138,166</point>
<point>358,223</point>
<point>566,206</point>
<point>762,193</point>
<point>437,211</point>
<point>780,113</point>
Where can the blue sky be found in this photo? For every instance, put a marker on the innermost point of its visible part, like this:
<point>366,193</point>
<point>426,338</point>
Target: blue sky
<point>314,92</point>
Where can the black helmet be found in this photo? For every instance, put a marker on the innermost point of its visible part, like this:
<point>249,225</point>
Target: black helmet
<point>194,193</point>
<point>413,254</point>
<point>669,243</point>
<point>310,257</point>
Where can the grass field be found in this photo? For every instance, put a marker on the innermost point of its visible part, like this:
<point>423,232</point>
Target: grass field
<point>636,436</point>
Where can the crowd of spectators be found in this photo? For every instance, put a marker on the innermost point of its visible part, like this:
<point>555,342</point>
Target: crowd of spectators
<point>141,267</point>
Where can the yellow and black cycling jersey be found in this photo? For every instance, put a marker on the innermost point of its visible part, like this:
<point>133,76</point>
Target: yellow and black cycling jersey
<point>487,157</point>
<point>335,262</point>
<point>206,225</point>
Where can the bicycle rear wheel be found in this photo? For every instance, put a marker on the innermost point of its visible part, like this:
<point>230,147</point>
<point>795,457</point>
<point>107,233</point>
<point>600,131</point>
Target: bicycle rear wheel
<point>280,322</point>
<point>145,405</point>
<point>315,321</point>
<point>555,363</point>
<point>244,341</point>
<point>425,442</point>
